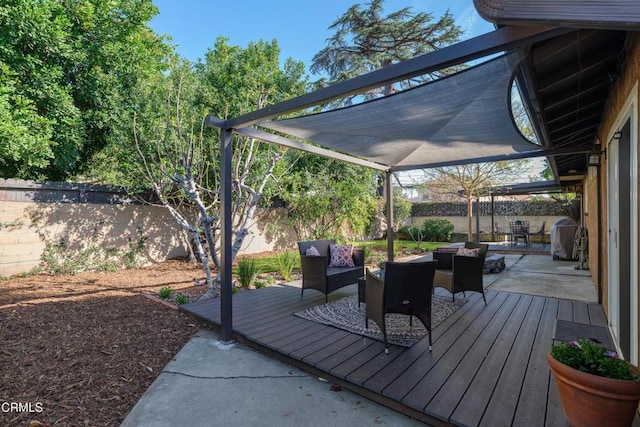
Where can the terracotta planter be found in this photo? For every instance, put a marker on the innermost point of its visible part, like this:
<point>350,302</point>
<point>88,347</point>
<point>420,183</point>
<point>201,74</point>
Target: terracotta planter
<point>589,400</point>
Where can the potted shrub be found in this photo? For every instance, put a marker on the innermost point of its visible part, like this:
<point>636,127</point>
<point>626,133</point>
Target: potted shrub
<point>596,387</point>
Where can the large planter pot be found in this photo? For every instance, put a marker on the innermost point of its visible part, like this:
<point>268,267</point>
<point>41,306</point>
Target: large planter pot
<point>590,400</point>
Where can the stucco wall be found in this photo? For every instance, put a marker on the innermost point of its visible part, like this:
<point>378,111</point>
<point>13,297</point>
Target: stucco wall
<point>460,222</point>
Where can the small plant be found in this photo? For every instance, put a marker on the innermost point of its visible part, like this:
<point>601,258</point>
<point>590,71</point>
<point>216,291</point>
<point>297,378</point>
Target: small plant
<point>286,262</point>
<point>366,253</point>
<point>165,292</point>
<point>247,272</point>
<point>182,299</point>
<point>415,232</point>
<point>590,357</point>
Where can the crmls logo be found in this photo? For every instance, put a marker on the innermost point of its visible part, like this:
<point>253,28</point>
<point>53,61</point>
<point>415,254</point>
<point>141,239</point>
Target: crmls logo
<point>20,407</point>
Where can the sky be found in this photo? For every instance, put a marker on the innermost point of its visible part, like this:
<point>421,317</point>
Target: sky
<point>300,27</point>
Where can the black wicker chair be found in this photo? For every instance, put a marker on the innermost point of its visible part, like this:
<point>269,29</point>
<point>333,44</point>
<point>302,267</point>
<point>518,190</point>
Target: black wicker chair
<point>316,273</point>
<point>458,273</point>
<point>406,288</point>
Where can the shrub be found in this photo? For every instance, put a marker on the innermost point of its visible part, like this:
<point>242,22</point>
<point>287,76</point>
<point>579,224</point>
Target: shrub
<point>165,292</point>
<point>247,272</point>
<point>286,262</point>
<point>182,299</point>
<point>266,281</point>
<point>437,230</point>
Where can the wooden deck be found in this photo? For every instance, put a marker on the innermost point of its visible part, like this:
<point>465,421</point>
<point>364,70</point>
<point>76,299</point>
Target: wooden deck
<point>487,368</point>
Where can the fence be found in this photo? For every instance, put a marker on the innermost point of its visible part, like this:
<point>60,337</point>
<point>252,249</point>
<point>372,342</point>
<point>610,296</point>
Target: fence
<point>64,222</point>
<point>503,212</point>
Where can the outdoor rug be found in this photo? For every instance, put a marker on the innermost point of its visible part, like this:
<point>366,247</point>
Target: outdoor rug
<point>345,313</point>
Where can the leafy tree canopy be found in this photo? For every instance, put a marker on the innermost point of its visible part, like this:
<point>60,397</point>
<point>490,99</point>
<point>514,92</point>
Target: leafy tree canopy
<point>324,195</point>
<point>75,64</point>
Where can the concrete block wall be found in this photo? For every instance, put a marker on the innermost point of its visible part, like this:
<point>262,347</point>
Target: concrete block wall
<point>34,214</point>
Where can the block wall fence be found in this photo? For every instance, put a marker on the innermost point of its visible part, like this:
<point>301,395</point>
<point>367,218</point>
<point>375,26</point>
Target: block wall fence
<point>34,214</point>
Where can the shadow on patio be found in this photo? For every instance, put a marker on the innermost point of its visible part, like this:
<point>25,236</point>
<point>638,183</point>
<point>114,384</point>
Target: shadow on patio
<point>488,363</point>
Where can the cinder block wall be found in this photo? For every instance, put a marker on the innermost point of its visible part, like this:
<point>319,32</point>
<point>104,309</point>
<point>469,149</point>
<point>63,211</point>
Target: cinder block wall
<point>32,214</point>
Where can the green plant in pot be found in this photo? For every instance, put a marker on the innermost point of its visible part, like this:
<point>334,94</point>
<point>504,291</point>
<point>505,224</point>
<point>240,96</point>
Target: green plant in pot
<point>596,387</point>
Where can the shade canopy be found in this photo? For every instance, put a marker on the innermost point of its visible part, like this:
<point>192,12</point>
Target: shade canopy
<point>462,118</point>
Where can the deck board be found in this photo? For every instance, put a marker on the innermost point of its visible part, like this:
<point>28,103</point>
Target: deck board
<point>505,397</point>
<point>430,384</point>
<point>479,392</point>
<point>451,393</point>
<point>396,380</point>
<point>488,364</point>
<point>536,382</point>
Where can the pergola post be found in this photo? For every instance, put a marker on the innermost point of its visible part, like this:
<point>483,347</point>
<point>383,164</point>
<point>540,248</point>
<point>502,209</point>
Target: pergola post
<point>478,219</point>
<point>388,194</point>
<point>226,316</point>
<point>493,218</point>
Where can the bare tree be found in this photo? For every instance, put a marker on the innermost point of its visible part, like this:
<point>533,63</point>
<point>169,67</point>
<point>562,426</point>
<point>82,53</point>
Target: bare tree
<point>474,180</point>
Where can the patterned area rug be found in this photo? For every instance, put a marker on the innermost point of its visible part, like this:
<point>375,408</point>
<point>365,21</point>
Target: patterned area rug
<point>345,313</point>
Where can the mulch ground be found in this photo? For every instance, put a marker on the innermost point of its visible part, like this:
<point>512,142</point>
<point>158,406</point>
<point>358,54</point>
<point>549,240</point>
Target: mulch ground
<point>81,350</point>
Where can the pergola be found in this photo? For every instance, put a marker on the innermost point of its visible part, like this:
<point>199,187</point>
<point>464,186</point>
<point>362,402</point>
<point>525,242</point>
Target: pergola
<point>464,118</point>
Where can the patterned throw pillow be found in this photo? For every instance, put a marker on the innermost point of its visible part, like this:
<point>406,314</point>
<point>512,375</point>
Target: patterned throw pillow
<point>341,256</point>
<point>468,252</point>
<point>312,251</point>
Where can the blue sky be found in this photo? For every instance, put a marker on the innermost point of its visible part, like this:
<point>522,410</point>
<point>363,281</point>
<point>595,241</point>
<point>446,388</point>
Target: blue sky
<point>299,27</point>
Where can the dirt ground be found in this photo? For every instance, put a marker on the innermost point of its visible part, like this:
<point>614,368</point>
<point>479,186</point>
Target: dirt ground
<point>81,350</point>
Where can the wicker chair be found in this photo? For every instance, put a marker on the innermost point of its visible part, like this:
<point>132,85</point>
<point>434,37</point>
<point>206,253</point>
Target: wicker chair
<point>316,273</point>
<point>407,288</point>
<point>457,273</point>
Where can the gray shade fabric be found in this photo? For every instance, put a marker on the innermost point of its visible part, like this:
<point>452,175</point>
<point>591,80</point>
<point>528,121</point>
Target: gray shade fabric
<point>463,117</point>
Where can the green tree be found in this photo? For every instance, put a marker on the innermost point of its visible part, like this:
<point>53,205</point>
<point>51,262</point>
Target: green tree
<point>366,41</point>
<point>324,195</point>
<point>77,63</point>
<point>401,208</point>
<point>25,136</point>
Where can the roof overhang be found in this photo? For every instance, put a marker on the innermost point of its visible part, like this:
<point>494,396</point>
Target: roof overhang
<point>567,80</point>
<point>596,14</point>
<point>528,188</point>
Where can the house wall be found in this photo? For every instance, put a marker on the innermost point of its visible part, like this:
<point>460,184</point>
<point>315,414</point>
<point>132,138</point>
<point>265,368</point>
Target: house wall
<point>624,87</point>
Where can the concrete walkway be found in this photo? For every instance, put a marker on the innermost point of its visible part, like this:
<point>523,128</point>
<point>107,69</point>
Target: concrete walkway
<point>212,384</point>
<point>540,275</point>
